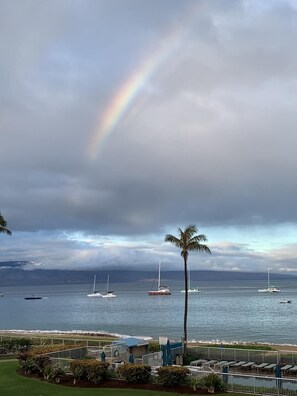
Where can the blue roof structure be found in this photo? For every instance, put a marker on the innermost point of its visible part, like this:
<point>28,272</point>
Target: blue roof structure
<point>132,342</point>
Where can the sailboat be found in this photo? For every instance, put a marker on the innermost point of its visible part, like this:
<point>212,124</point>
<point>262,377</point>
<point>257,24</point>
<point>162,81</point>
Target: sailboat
<point>191,289</point>
<point>162,290</point>
<point>94,293</point>
<point>270,289</point>
<point>109,293</point>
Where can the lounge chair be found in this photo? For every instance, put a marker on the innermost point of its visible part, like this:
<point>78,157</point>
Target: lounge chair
<point>293,370</point>
<point>270,367</point>
<point>286,367</point>
<point>221,363</point>
<point>209,363</point>
<point>198,362</point>
<point>247,365</point>
<point>230,363</point>
<point>260,366</point>
<point>238,364</point>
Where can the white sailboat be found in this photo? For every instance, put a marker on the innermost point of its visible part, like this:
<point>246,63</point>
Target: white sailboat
<point>94,292</point>
<point>109,293</point>
<point>191,289</point>
<point>161,290</point>
<point>270,289</point>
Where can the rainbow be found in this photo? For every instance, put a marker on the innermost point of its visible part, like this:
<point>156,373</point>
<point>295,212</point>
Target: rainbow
<point>129,90</point>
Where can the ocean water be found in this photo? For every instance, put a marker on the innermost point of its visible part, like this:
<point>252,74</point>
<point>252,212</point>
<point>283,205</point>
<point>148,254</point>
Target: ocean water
<point>225,311</point>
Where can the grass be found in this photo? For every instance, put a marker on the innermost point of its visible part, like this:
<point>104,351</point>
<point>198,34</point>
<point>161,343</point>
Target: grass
<point>48,338</point>
<point>239,346</point>
<point>12,384</point>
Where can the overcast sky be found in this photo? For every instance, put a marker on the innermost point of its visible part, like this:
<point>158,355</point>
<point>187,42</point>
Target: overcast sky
<point>121,120</point>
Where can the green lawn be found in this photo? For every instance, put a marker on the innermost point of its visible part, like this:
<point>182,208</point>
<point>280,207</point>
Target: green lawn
<point>12,384</point>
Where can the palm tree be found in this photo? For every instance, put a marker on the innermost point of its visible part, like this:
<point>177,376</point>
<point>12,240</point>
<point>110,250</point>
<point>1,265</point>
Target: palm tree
<point>187,241</point>
<point>3,225</point>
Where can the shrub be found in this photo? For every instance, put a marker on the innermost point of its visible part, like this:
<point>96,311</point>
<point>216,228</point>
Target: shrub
<point>26,353</point>
<point>6,346</point>
<point>53,372</point>
<point>154,346</point>
<point>29,366</point>
<point>90,370</point>
<point>41,362</point>
<point>14,345</point>
<point>96,371</point>
<point>212,380</point>
<point>189,357</point>
<point>77,370</point>
<point>24,356</point>
<point>33,364</point>
<point>135,373</point>
<point>23,344</point>
<point>172,376</point>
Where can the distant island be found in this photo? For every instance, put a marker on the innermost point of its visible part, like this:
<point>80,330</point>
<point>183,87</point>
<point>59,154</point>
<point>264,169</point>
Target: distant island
<point>14,273</point>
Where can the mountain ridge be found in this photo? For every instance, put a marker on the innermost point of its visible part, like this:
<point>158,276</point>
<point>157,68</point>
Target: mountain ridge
<point>15,273</point>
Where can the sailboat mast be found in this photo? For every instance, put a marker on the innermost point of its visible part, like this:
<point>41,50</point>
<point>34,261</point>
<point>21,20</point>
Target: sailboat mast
<point>107,285</point>
<point>94,284</point>
<point>159,278</point>
<point>268,279</point>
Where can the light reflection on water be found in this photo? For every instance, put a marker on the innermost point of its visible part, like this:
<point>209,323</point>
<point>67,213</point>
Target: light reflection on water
<point>223,311</point>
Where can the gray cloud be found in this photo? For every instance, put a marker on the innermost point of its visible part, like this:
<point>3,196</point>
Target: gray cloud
<point>209,138</point>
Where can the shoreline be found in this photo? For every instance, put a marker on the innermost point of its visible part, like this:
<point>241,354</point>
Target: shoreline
<point>101,334</point>
<point>69,333</point>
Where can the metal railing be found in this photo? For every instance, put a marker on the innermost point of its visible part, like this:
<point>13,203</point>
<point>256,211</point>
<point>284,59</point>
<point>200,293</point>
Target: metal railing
<point>249,355</point>
<point>260,385</point>
<point>152,359</point>
<point>253,384</point>
<point>74,353</point>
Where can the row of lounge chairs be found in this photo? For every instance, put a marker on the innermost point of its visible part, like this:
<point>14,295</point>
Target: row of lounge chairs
<point>286,369</point>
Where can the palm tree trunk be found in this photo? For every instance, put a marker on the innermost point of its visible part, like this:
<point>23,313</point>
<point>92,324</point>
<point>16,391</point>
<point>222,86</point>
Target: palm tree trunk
<point>186,305</point>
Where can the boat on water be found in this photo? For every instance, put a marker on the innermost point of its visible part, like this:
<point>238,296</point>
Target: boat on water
<point>269,289</point>
<point>161,290</point>
<point>1,294</point>
<point>191,289</point>
<point>109,293</point>
<point>285,302</point>
<point>94,292</point>
<point>33,297</point>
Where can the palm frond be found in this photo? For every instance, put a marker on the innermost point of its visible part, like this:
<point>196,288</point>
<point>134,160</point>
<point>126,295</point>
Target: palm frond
<point>198,247</point>
<point>5,230</point>
<point>191,230</point>
<point>199,238</point>
<point>174,240</point>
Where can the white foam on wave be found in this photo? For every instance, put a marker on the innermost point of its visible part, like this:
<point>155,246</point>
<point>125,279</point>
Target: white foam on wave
<point>74,332</point>
<point>236,342</point>
<point>106,333</point>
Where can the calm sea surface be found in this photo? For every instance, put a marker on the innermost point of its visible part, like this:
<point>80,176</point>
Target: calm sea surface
<point>223,311</point>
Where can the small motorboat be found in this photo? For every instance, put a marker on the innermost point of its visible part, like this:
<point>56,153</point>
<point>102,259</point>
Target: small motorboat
<point>33,297</point>
<point>286,302</point>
